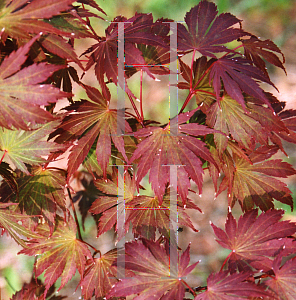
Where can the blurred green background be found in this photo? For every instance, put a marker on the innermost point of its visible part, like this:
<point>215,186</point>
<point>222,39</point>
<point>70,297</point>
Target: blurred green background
<point>269,19</point>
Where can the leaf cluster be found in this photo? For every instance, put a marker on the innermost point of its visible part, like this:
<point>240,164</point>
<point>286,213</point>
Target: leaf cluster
<point>232,134</point>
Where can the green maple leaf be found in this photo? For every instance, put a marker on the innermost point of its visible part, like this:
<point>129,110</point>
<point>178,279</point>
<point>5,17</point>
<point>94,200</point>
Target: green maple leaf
<point>21,95</point>
<point>60,253</point>
<point>11,221</point>
<point>21,147</point>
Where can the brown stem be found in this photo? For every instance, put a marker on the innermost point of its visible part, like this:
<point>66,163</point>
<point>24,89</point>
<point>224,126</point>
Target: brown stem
<point>136,110</point>
<point>190,289</point>
<point>5,151</point>
<point>225,261</point>
<point>75,215</point>
<point>141,94</point>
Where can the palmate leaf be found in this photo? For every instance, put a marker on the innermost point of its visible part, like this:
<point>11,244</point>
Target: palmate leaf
<point>40,194</point>
<point>161,149</point>
<point>27,147</point>
<point>283,283</point>
<point>222,286</point>
<point>60,254</point>
<point>254,238</point>
<point>19,18</point>
<point>99,276</point>
<point>252,181</point>
<point>20,94</point>
<point>255,50</point>
<point>207,32</point>
<point>254,124</point>
<point>153,280</point>
<point>91,121</point>
<point>11,221</point>
<point>137,29</point>
<point>238,75</point>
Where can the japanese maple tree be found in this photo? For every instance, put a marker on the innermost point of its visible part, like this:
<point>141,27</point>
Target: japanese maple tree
<point>232,133</point>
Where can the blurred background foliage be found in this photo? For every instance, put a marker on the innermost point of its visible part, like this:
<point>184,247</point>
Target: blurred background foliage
<point>268,19</point>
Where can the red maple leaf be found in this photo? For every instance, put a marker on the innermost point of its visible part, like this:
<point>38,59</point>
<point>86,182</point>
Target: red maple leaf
<point>100,275</point>
<point>255,238</point>
<point>207,32</point>
<point>256,49</point>
<point>283,281</point>
<point>238,75</point>
<point>92,121</point>
<point>161,149</point>
<point>222,286</point>
<point>252,181</point>
<point>137,30</point>
<point>150,262</point>
<point>20,87</point>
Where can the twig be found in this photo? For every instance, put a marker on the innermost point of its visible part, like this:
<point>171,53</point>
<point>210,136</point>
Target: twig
<point>75,215</point>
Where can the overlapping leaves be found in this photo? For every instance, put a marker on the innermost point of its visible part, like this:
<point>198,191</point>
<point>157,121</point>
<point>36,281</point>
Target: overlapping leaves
<point>19,17</point>
<point>40,193</point>
<point>20,94</point>
<point>137,29</point>
<point>146,213</point>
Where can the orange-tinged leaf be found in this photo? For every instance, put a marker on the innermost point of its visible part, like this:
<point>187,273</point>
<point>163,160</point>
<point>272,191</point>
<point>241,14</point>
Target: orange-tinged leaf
<point>229,117</point>
<point>11,221</point>
<point>99,276</point>
<point>61,254</point>
<point>19,17</point>
<point>254,184</point>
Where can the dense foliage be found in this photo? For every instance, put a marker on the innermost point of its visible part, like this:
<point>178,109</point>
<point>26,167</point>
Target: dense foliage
<point>232,133</point>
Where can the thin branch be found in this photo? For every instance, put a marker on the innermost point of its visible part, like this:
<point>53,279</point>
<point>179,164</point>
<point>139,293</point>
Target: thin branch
<point>141,94</point>
<point>5,151</point>
<point>75,215</point>
<point>191,69</point>
<point>136,110</point>
<point>225,261</point>
<point>190,289</point>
